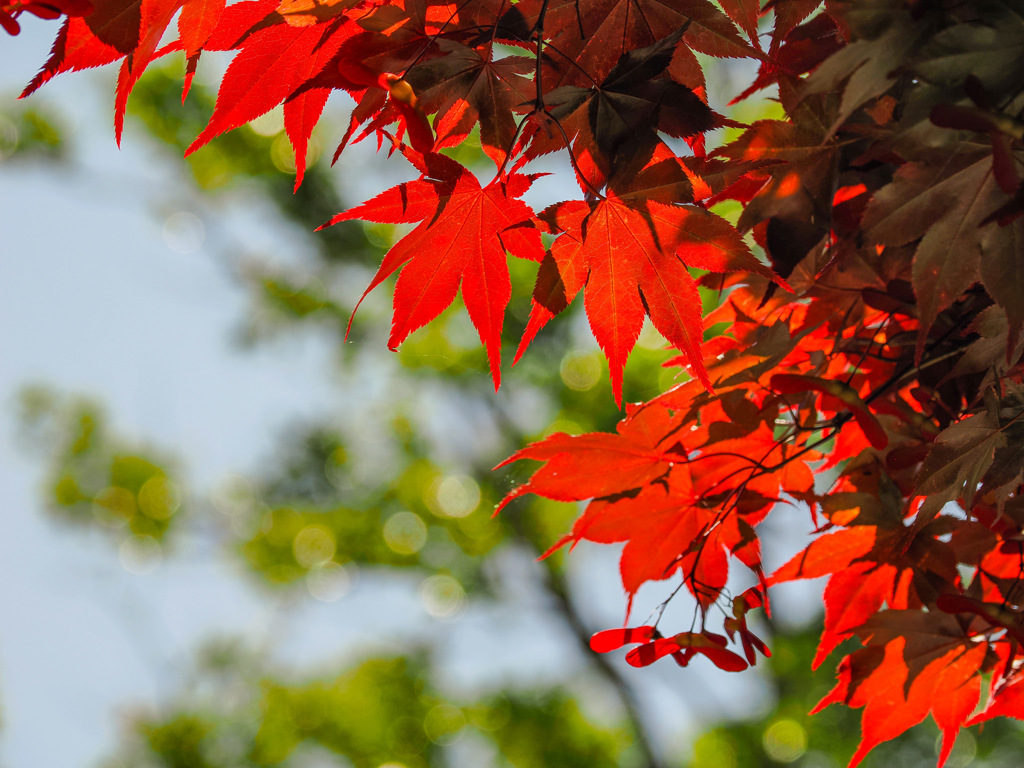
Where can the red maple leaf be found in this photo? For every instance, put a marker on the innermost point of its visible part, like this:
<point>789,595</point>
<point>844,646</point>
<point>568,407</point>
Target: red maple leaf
<point>913,663</point>
<point>597,464</point>
<point>463,233</point>
<point>645,492</point>
<point>869,566</point>
<point>107,34</point>
<point>632,251</point>
<point>636,262</point>
<point>273,63</point>
<point>155,16</point>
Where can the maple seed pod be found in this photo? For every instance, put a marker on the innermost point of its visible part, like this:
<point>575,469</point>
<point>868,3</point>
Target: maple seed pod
<point>421,135</point>
<point>8,22</point>
<point>399,89</point>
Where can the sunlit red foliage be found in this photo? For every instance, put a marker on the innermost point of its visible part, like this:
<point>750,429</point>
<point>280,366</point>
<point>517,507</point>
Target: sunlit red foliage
<point>869,369</point>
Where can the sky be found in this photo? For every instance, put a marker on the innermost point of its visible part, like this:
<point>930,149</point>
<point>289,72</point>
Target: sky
<point>94,301</point>
<point>112,285</point>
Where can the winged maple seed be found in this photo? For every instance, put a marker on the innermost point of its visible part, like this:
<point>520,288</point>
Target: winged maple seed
<point>48,10</point>
<point>885,201</point>
<point>684,646</point>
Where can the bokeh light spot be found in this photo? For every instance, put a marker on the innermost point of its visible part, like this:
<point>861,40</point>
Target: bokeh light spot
<point>650,337</point>
<point>457,495</point>
<point>140,554</point>
<point>159,498</point>
<point>405,533</point>
<point>282,155</point>
<point>184,232</point>
<point>443,724</point>
<point>714,750</point>
<point>270,123</point>
<point>443,597</point>
<point>785,740</point>
<point>580,370</point>
<point>567,426</point>
<point>330,581</point>
<point>313,546</point>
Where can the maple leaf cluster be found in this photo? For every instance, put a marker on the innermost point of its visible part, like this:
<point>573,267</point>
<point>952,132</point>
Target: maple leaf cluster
<point>870,367</point>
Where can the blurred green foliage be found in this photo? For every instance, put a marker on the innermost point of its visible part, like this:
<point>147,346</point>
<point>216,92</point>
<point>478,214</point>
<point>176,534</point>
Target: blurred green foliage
<point>95,478</point>
<point>31,134</point>
<point>382,711</point>
<point>371,714</point>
